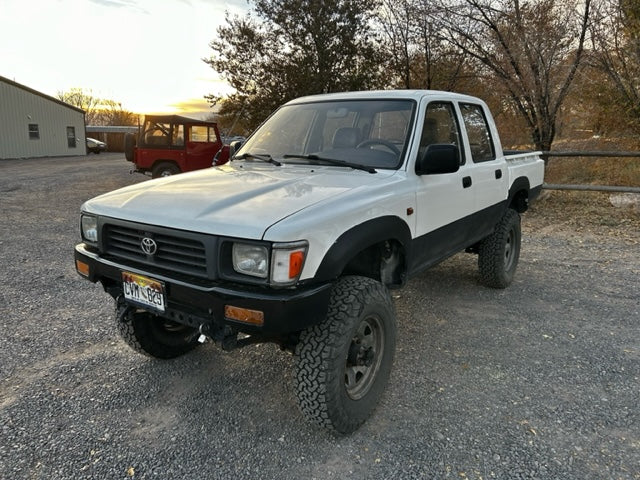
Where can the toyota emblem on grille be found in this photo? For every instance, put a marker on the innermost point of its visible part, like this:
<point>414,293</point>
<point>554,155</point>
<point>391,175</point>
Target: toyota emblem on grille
<point>149,246</point>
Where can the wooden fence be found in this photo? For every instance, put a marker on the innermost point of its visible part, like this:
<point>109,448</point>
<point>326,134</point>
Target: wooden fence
<point>592,188</point>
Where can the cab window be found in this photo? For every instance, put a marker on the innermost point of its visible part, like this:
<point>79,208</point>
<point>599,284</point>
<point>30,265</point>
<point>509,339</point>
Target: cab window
<point>441,127</point>
<point>480,142</point>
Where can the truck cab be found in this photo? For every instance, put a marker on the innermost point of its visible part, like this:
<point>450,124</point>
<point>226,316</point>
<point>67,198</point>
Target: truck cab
<point>171,144</point>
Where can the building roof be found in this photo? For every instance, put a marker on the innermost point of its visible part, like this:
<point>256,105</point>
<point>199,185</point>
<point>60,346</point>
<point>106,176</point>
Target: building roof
<point>111,129</point>
<point>40,94</point>
<point>176,119</point>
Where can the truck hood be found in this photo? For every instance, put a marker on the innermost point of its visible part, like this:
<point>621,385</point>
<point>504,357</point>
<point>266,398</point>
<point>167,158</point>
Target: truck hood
<point>238,201</point>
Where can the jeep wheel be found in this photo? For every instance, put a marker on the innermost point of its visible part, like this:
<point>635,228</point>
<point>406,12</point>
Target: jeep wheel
<point>164,169</point>
<point>498,253</point>
<point>343,364</point>
<point>154,336</point>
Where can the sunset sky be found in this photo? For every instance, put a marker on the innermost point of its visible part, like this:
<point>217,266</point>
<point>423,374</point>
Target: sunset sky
<point>145,54</point>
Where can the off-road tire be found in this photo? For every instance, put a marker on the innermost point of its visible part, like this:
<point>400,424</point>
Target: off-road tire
<point>129,144</point>
<point>498,253</point>
<point>164,169</point>
<point>334,386</point>
<point>154,336</point>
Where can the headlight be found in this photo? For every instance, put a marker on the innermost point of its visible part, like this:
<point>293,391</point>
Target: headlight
<point>287,260</point>
<point>89,225</point>
<point>250,260</point>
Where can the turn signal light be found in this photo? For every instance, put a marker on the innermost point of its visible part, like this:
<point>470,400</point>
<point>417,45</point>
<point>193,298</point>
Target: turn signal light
<point>82,268</point>
<point>244,315</point>
<point>296,261</point>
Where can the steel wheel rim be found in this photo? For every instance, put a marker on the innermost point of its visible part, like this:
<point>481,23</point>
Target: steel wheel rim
<point>510,249</point>
<point>364,357</point>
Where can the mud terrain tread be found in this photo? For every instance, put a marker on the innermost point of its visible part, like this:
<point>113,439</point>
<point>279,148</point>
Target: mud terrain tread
<point>320,355</point>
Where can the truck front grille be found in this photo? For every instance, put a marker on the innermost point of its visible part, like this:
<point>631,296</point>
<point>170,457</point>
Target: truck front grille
<point>175,251</point>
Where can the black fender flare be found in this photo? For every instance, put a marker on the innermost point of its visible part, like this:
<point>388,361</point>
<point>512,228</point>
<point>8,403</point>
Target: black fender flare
<point>359,238</point>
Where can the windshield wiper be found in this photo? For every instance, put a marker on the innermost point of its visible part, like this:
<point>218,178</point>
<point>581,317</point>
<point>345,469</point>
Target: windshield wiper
<point>333,161</point>
<point>265,158</point>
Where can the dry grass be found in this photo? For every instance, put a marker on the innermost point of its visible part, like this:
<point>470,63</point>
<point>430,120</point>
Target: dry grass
<point>595,171</point>
<point>590,214</point>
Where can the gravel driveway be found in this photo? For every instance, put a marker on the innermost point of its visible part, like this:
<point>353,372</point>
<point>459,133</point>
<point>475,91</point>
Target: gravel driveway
<point>537,381</point>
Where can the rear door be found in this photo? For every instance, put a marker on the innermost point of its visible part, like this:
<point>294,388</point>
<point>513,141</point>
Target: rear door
<point>487,170</point>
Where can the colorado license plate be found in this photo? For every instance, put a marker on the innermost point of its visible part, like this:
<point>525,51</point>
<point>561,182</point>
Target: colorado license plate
<point>143,290</point>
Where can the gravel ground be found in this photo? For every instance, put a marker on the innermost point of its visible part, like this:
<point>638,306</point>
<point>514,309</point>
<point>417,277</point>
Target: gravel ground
<point>537,381</point>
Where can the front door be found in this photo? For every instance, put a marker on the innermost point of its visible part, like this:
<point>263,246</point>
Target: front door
<point>202,145</point>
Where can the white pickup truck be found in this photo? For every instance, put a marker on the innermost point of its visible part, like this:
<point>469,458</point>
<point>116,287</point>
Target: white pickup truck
<point>334,200</point>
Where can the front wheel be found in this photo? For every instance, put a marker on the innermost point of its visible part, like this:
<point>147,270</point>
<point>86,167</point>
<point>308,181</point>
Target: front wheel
<point>152,335</point>
<point>498,253</point>
<point>343,364</point>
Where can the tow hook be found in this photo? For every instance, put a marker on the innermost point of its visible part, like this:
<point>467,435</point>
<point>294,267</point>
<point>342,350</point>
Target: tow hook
<point>225,336</point>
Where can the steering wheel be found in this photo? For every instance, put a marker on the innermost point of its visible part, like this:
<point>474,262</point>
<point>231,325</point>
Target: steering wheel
<point>379,141</point>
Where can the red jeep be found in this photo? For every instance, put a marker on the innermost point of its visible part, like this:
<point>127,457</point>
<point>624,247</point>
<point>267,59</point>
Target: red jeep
<point>170,144</point>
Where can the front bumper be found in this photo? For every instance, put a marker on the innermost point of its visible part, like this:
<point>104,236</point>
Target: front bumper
<point>284,311</point>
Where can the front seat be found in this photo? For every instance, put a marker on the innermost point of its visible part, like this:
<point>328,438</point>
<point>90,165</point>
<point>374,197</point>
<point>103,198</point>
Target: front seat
<point>346,137</point>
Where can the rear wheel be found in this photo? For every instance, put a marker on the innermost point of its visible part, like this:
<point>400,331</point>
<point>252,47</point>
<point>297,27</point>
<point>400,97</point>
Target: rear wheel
<point>164,169</point>
<point>152,335</point>
<point>343,364</point>
<point>498,253</point>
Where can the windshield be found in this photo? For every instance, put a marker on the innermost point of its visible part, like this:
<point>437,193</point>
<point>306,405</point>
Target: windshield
<point>367,133</point>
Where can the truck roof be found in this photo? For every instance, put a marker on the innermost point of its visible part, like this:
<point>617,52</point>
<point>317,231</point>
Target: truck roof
<point>386,95</point>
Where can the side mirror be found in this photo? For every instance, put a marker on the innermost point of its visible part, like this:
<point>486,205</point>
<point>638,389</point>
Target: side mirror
<point>234,147</point>
<point>439,158</point>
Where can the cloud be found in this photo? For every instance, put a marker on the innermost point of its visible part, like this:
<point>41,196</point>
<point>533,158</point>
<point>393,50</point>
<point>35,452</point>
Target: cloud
<point>128,4</point>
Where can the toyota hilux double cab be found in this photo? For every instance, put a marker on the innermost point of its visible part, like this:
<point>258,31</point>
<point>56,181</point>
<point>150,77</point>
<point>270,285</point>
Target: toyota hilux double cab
<point>171,144</point>
<point>334,200</point>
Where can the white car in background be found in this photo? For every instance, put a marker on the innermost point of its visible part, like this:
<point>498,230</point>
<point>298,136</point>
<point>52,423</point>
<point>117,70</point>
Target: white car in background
<point>95,146</point>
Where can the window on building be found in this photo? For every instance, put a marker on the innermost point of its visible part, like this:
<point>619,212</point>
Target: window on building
<point>71,137</point>
<point>34,132</point>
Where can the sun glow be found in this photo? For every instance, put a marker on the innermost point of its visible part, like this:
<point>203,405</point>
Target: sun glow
<point>146,55</point>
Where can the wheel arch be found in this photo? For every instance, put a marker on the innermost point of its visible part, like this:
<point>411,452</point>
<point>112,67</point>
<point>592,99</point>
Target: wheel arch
<point>519,195</point>
<point>164,161</point>
<point>377,249</point>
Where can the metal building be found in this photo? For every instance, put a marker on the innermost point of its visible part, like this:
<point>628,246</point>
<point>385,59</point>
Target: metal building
<point>33,124</point>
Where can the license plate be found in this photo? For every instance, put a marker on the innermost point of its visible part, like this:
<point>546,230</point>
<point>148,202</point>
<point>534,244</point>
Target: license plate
<point>143,290</point>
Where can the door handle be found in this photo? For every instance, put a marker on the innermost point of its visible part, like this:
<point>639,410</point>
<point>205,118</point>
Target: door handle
<point>466,182</point>
<point>498,174</point>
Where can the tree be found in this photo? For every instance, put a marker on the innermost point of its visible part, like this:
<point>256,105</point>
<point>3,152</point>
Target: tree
<point>84,99</point>
<point>533,50</point>
<point>293,48</point>
<point>415,48</point>
<point>616,45</point>
<point>98,111</point>
<point>112,113</point>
